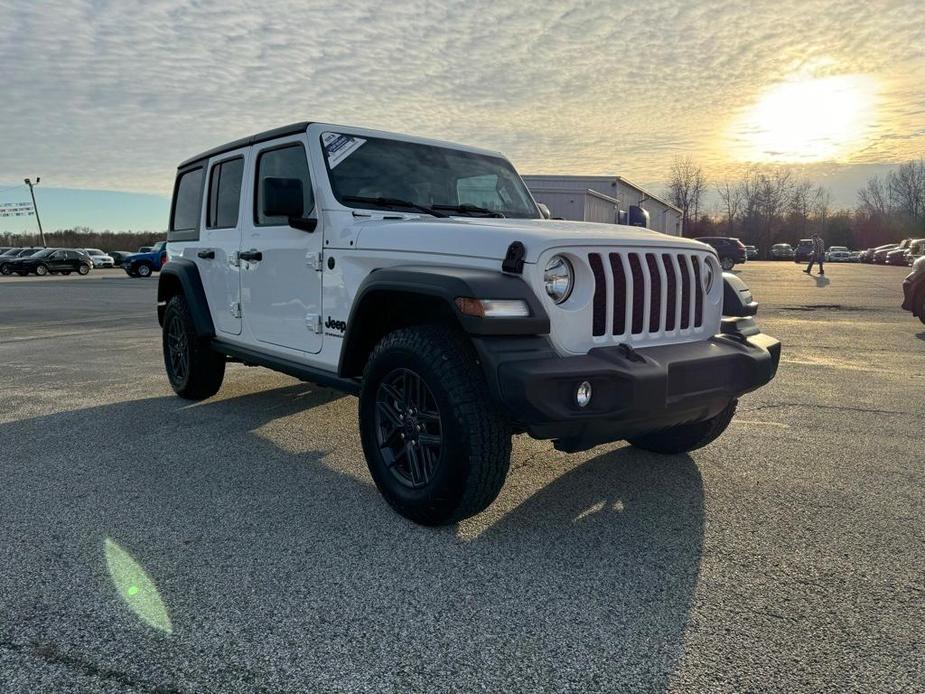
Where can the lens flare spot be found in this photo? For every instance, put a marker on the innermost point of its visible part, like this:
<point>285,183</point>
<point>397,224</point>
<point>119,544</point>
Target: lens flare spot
<point>136,588</point>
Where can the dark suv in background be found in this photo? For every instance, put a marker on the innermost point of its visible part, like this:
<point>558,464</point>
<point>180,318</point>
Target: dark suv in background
<point>730,250</point>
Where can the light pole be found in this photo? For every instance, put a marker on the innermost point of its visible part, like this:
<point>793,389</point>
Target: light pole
<point>36,207</point>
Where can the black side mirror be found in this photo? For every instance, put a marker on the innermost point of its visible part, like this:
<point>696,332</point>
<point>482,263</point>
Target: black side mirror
<point>283,197</point>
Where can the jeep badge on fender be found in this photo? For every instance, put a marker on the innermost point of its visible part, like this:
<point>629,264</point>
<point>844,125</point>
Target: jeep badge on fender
<point>472,317</point>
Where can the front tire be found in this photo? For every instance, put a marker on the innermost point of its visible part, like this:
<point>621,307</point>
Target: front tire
<point>194,370</point>
<point>727,263</point>
<point>686,437</point>
<point>436,447</point>
<point>143,270</point>
<point>83,269</point>
<point>41,270</point>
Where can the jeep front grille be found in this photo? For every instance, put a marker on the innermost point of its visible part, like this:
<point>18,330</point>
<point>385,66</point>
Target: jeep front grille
<point>645,293</point>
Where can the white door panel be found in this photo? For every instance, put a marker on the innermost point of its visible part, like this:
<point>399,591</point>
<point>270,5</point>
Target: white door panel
<point>281,291</point>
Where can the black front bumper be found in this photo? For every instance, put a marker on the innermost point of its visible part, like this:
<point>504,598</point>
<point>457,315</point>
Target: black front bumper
<point>633,391</point>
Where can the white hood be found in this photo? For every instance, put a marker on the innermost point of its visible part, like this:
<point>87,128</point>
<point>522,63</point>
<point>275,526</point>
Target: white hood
<point>489,238</point>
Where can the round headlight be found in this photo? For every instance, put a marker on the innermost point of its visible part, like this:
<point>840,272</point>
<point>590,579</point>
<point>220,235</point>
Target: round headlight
<point>558,278</point>
<point>708,274</point>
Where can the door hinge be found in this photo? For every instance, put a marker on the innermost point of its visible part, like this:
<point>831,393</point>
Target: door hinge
<point>235,309</point>
<point>315,260</point>
<point>313,322</point>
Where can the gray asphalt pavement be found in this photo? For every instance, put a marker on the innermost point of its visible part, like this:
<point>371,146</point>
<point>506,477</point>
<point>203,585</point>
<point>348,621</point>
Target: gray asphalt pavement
<point>787,556</point>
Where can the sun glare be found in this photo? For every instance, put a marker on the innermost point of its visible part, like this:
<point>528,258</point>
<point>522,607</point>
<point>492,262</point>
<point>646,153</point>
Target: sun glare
<point>811,120</point>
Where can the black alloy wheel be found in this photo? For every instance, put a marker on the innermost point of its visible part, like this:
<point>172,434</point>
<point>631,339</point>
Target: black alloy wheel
<point>409,431</point>
<point>178,348</point>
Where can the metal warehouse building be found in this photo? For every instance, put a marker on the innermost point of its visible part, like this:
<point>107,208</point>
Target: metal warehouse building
<point>601,199</point>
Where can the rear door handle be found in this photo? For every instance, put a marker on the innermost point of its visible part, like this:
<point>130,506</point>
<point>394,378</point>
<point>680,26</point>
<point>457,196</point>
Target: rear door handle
<point>252,255</point>
<point>207,254</point>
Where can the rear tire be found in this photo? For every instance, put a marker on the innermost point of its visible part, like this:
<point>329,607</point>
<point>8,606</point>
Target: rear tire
<point>686,437</point>
<point>727,263</point>
<point>194,370</point>
<point>436,446</point>
<point>143,270</point>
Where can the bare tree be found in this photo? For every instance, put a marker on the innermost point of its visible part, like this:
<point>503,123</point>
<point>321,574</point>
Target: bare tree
<point>686,188</point>
<point>730,195</point>
<point>873,198</point>
<point>906,188</point>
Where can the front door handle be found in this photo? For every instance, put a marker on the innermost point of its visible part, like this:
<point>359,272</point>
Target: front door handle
<point>207,254</point>
<point>252,256</point>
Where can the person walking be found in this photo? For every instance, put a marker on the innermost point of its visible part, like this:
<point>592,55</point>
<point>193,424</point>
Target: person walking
<point>817,256</point>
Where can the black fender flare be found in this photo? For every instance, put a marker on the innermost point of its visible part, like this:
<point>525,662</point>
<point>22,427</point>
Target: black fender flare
<point>446,284</point>
<point>737,297</point>
<point>181,276</point>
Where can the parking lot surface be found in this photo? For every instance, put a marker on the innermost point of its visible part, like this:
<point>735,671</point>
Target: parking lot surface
<point>786,556</point>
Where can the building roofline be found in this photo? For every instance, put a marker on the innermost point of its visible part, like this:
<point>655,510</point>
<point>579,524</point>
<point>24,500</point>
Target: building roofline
<point>621,179</point>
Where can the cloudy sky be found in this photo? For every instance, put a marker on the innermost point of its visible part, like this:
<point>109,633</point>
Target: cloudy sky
<point>109,95</point>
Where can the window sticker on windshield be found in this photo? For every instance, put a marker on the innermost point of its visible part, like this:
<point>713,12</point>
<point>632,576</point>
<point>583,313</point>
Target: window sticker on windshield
<point>338,147</point>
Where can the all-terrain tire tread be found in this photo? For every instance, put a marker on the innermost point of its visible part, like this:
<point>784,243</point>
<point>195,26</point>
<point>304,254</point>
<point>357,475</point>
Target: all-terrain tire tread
<point>487,430</point>
<point>206,366</point>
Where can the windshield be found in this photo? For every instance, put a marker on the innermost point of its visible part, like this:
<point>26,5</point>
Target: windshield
<point>441,179</point>
<point>94,251</point>
<point>44,252</point>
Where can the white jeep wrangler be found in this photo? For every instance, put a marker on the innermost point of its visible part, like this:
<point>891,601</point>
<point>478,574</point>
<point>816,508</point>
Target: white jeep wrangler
<point>423,277</point>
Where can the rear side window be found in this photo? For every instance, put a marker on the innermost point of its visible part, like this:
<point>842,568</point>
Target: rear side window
<point>187,203</point>
<point>225,194</point>
<point>284,162</point>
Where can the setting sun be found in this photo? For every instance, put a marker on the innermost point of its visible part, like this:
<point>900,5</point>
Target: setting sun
<point>807,121</point>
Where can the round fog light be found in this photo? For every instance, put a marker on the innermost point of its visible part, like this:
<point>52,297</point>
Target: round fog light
<point>583,394</point>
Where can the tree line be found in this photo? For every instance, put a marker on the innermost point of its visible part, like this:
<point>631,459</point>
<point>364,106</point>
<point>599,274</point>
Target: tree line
<point>85,237</point>
<point>765,206</point>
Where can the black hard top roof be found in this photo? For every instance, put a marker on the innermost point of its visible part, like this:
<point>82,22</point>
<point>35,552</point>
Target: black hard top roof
<point>293,129</point>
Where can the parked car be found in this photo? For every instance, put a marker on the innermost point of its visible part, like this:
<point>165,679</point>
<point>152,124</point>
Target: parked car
<point>879,256</point>
<point>143,264</point>
<point>53,261</point>
<point>839,257</point>
<point>730,250</point>
<point>914,290</point>
<point>855,257</point>
<point>751,252</point>
<point>99,258</point>
<point>803,251</point>
<point>416,303</point>
<point>119,256</point>
<point>897,257</point>
<point>781,251</point>
<point>836,249</point>
<point>12,255</point>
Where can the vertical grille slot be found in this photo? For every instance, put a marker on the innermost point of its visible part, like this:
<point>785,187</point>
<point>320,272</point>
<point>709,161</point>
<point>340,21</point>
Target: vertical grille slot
<point>600,294</point>
<point>639,292</point>
<point>619,294</point>
<point>655,303</point>
<point>698,293</point>
<point>672,287</point>
<point>685,293</point>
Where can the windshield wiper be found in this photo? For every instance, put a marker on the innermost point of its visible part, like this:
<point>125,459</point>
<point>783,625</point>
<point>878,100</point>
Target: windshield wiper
<point>391,203</point>
<point>466,207</point>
